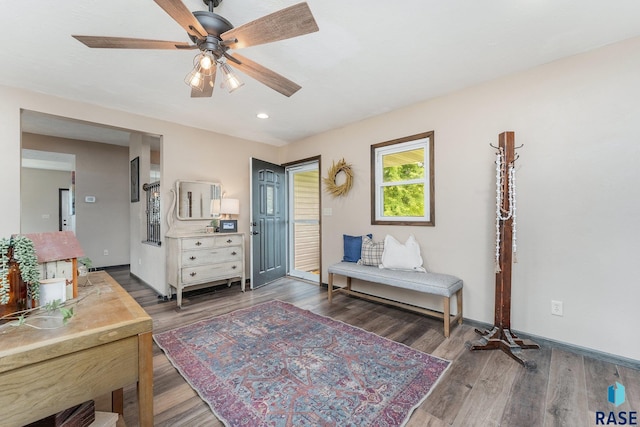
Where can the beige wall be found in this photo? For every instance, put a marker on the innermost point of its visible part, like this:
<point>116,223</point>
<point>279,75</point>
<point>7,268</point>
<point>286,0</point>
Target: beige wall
<point>102,171</point>
<point>39,202</point>
<point>578,197</point>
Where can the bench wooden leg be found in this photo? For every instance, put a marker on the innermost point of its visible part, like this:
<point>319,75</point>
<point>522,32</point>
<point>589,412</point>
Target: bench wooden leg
<point>330,287</point>
<point>459,300</point>
<point>447,316</point>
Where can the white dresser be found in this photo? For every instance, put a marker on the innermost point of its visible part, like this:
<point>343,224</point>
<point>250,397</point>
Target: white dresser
<point>195,260</point>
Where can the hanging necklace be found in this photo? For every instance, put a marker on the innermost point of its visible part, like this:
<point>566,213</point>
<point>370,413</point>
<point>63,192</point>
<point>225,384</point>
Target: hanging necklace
<point>505,179</point>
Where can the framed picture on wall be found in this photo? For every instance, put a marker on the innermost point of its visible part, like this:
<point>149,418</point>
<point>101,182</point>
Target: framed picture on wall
<point>135,180</point>
<point>228,226</point>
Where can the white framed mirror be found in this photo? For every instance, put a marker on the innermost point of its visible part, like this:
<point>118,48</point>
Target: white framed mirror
<point>197,200</point>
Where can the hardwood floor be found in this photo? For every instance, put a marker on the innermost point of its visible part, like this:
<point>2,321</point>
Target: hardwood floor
<point>479,389</point>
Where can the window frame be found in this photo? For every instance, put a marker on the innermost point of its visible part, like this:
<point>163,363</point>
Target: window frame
<point>425,140</point>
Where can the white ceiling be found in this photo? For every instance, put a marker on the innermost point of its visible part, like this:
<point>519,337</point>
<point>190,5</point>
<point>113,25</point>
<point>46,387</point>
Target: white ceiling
<point>369,56</point>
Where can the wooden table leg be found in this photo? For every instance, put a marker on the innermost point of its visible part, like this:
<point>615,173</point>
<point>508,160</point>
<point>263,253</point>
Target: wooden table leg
<point>447,316</point>
<point>117,401</point>
<point>459,302</point>
<point>145,380</point>
<point>330,287</point>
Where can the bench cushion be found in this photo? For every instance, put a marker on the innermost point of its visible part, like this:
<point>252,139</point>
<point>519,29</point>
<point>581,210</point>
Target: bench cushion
<point>432,283</point>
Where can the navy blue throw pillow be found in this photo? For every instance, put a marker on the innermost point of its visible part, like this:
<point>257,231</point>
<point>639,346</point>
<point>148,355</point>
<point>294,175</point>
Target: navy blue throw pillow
<point>352,247</point>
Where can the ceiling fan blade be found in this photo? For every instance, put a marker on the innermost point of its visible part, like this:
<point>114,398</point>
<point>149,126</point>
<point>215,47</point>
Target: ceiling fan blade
<point>292,21</point>
<point>264,75</point>
<point>183,16</point>
<point>209,82</point>
<point>130,43</point>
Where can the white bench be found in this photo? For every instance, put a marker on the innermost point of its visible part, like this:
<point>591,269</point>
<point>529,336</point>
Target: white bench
<point>442,285</point>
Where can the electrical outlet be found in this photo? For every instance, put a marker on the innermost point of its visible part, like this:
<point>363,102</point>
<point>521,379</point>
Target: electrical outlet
<point>556,308</point>
<point>105,252</point>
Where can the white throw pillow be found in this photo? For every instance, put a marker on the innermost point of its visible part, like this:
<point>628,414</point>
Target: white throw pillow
<point>400,256</point>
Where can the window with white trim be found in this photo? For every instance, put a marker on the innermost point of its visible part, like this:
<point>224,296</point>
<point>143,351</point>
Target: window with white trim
<point>402,181</point>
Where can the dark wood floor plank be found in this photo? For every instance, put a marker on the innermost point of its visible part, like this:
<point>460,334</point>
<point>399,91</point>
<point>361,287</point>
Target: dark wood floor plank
<point>526,402</point>
<point>485,403</point>
<point>454,387</point>
<point>421,418</point>
<point>630,378</point>
<point>566,395</point>
<point>599,376</point>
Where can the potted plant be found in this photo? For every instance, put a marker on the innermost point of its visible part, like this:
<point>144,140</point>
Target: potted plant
<point>18,251</point>
<point>85,266</point>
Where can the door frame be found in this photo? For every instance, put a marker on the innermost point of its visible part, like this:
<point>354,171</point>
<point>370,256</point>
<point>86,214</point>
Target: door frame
<point>61,192</point>
<point>314,159</point>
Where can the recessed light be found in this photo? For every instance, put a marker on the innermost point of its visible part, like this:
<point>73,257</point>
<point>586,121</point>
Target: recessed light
<point>262,115</point>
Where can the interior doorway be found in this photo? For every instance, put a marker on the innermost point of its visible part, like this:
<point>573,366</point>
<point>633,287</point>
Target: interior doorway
<point>47,191</point>
<point>66,208</point>
<point>304,220</point>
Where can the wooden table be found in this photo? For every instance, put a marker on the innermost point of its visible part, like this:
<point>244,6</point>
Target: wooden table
<point>105,346</point>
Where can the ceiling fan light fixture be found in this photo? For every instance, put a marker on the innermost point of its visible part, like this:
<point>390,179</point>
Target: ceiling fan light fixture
<point>204,65</point>
<point>206,60</point>
<point>230,80</point>
<point>195,79</point>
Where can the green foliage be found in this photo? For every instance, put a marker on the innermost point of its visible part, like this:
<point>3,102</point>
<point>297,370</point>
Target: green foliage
<point>25,255</point>
<point>56,309</point>
<point>67,313</point>
<point>4,270</point>
<point>86,261</point>
<point>403,199</point>
<point>404,172</point>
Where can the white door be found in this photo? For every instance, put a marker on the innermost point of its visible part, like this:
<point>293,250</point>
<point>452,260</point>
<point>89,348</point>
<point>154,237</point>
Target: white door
<point>66,220</point>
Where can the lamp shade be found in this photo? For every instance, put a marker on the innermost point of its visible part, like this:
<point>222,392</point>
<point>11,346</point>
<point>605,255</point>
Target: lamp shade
<point>230,206</point>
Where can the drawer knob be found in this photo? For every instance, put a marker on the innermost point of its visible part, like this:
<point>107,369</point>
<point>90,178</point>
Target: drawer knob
<point>234,267</point>
<point>192,257</point>
<point>229,240</point>
<point>198,243</point>
<point>193,273</point>
<point>234,253</point>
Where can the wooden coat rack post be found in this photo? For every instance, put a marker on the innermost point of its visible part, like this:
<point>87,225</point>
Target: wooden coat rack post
<point>500,336</point>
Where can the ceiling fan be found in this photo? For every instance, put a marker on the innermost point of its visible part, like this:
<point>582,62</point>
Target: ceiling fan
<point>214,36</point>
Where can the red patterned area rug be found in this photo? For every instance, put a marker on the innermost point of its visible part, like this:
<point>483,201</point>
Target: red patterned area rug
<point>278,365</point>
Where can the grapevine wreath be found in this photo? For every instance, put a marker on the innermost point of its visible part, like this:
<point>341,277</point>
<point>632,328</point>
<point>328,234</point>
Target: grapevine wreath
<point>332,186</point>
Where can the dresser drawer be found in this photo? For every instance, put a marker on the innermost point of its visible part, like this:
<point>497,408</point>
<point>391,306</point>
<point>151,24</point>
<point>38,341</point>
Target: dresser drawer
<point>209,273</point>
<point>198,243</point>
<point>211,256</point>
<point>230,240</point>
